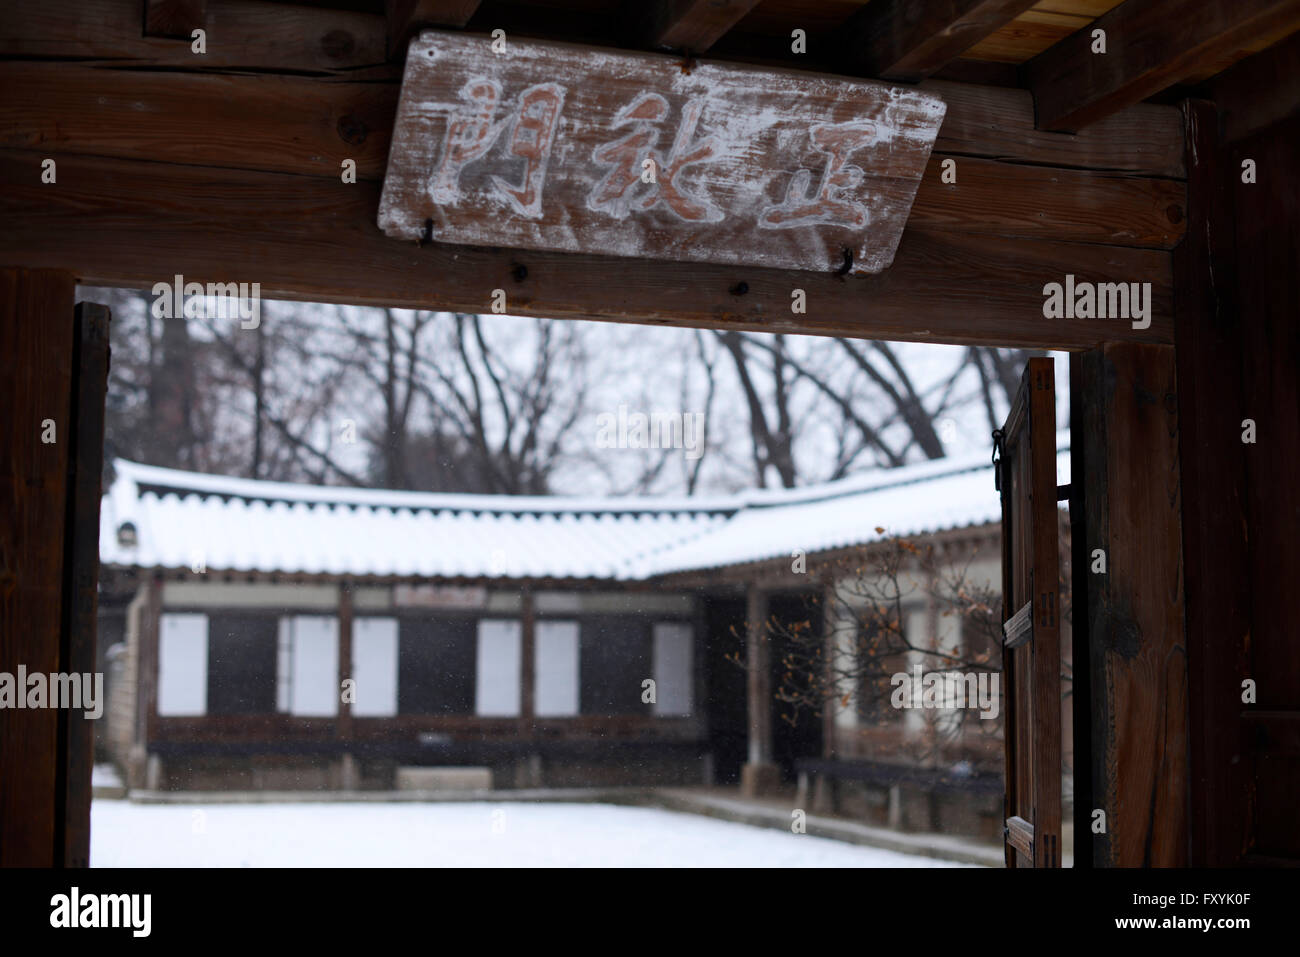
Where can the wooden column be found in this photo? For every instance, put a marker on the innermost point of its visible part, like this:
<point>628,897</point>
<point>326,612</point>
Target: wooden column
<point>36,362</point>
<point>530,774</point>
<point>528,660</point>
<point>759,774</point>
<point>146,698</point>
<point>343,723</point>
<point>823,789</point>
<point>1267,248</point>
<point>1135,612</point>
<point>830,610</point>
<point>1212,469</point>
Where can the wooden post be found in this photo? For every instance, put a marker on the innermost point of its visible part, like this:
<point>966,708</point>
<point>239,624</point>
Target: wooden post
<point>1215,546</point>
<point>1135,610</point>
<point>829,651</point>
<point>531,770</point>
<point>528,661</point>
<point>343,725</point>
<point>36,361</point>
<point>759,775</point>
<point>146,699</point>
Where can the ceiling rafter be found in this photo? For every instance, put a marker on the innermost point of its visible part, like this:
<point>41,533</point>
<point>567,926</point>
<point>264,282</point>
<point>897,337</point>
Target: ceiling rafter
<point>693,25</point>
<point>1149,45</point>
<point>912,39</point>
<point>406,17</point>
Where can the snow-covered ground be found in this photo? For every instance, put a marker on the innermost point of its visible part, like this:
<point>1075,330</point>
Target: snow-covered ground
<point>472,834</point>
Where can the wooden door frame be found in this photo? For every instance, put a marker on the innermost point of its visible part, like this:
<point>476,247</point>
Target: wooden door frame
<point>319,242</point>
<point>74,776</point>
<point>52,376</point>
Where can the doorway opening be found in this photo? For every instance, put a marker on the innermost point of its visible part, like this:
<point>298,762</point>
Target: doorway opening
<point>369,552</point>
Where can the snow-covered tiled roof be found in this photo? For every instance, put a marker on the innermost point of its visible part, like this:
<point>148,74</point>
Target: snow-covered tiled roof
<point>241,525</point>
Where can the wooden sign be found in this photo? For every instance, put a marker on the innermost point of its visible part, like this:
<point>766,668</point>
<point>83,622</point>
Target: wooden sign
<point>549,146</point>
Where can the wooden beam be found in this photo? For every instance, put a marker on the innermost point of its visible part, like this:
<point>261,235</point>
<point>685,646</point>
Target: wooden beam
<point>911,39</point>
<point>1150,44</point>
<point>252,35</point>
<point>36,361</point>
<point>999,123</point>
<point>301,125</point>
<point>405,18</point>
<point>692,25</point>
<point>176,19</point>
<point>131,223</point>
<point>241,34</point>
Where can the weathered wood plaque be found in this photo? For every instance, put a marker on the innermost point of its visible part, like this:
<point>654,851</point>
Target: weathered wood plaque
<point>556,147</point>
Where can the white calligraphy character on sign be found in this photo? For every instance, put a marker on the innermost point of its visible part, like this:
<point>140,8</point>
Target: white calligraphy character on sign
<point>828,206</point>
<point>471,135</point>
<point>614,193</point>
<point>532,138</point>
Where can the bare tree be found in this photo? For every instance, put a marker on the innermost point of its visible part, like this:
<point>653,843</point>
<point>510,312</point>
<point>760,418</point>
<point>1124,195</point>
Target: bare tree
<point>865,639</point>
<point>771,435</point>
<point>856,639</point>
<point>507,416</point>
<point>456,403</point>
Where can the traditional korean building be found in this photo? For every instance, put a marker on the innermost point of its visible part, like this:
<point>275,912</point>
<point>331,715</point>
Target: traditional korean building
<point>513,634</point>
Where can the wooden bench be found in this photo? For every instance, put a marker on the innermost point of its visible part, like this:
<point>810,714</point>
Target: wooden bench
<point>888,777</point>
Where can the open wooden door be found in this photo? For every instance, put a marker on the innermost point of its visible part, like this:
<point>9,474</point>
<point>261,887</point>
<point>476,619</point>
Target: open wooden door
<point>1031,655</point>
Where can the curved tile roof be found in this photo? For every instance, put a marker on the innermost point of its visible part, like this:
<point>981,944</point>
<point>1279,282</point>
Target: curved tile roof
<point>244,525</point>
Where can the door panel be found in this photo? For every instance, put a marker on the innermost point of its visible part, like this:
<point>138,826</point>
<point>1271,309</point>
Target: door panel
<point>1031,656</point>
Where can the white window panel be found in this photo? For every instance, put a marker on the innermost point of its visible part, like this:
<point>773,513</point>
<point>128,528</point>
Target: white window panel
<point>917,621</point>
<point>374,667</point>
<point>556,668</point>
<point>673,668</point>
<point>314,666</point>
<point>500,650</point>
<point>183,664</point>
